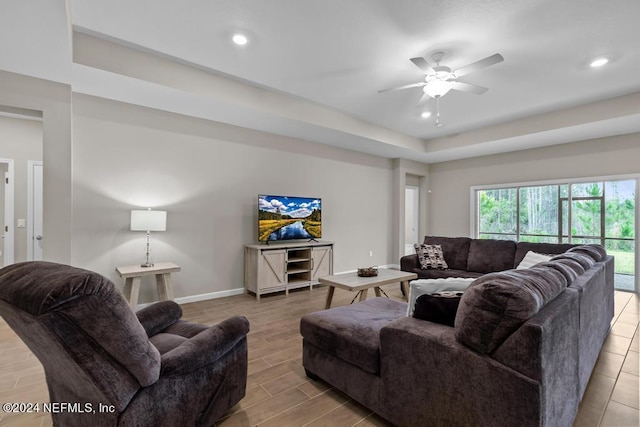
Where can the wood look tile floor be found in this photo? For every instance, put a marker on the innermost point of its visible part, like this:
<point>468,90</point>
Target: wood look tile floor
<point>279,393</point>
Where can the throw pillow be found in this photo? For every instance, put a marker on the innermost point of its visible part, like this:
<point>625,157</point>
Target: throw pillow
<point>532,258</point>
<point>431,257</point>
<point>428,286</point>
<point>439,307</point>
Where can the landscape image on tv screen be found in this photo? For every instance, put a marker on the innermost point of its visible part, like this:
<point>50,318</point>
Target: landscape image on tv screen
<point>289,218</point>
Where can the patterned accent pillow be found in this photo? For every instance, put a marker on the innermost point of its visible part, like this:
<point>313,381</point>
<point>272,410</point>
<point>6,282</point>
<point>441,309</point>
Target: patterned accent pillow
<point>431,257</point>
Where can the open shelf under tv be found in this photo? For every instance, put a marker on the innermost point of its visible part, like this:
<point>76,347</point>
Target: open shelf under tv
<point>281,266</point>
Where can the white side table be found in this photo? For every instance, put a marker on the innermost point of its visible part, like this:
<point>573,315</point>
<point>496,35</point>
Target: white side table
<point>132,275</point>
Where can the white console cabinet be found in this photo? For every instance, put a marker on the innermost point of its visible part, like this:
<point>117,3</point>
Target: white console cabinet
<point>283,266</point>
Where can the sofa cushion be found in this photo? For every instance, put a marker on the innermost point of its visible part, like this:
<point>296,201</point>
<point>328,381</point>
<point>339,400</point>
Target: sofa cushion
<point>586,261</point>
<point>455,250</point>
<point>420,287</point>
<point>430,257</point>
<point>352,332</point>
<point>166,342</point>
<point>438,307</point>
<point>487,256</point>
<point>569,268</point>
<point>497,304</point>
<point>597,252</point>
<point>542,248</point>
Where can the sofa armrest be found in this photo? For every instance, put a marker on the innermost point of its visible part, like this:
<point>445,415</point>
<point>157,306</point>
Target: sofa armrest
<point>206,347</point>
<point>159,316</point>
<point>443,382</point>
<point>409,262</point>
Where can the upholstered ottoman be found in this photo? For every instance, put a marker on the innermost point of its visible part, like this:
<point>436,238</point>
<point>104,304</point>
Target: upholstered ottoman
<point>342,346</point>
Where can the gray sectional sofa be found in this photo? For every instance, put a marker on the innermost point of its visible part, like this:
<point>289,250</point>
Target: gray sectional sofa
<point>520,353</point>
<point>468,257</point>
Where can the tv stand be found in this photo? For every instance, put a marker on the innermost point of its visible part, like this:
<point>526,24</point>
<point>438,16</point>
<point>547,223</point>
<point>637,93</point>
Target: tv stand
<point>283,266</point>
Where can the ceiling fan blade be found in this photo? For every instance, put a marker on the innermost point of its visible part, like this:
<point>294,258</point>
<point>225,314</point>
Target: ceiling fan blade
<point>466,87</point>
<point>422,64</point>
<point>410,85</point>
<point>489,60</point>
<point>424,99</point>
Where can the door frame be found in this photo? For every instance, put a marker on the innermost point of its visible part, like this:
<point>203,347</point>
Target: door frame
<point>415,192</point>
<point>9,206</point>
<point>30,208</point>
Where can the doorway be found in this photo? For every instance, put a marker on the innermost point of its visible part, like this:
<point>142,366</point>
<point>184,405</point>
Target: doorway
<point>412,216</point>
<point>21,141</point>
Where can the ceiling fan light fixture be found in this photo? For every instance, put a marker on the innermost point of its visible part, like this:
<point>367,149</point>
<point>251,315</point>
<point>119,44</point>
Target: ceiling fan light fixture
<point>437,88</point>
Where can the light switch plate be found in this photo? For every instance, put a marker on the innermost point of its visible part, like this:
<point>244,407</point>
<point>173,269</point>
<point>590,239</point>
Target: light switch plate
<point>21,223</point>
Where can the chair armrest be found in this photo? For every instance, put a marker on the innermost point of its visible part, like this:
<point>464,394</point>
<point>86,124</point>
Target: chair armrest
<point>206,347</point>
<point>159,316</point>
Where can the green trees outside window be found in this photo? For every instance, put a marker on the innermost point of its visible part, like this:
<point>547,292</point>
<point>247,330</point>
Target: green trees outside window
<point>593,212</point>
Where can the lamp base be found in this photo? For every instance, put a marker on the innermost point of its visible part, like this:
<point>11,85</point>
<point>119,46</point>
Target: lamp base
<point>147,264</point>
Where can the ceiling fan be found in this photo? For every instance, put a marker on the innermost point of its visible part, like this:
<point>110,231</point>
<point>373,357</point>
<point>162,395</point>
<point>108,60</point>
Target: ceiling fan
<point>439,79</point>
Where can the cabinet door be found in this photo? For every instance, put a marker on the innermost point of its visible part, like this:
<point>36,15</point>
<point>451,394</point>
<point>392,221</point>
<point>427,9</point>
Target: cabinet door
<point>272,268</point>
<point>322,262</point>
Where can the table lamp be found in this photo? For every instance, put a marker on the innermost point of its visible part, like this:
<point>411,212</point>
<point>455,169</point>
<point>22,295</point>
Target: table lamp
<point>148,220</point>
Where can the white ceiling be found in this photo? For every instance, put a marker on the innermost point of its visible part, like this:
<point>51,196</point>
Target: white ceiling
<point>337,55</point>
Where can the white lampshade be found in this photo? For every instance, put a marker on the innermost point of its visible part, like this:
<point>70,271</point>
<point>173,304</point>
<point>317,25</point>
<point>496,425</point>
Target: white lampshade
<point>148,220</point>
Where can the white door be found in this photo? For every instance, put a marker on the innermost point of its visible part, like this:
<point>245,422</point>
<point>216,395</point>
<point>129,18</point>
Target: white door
<point>36,235</point>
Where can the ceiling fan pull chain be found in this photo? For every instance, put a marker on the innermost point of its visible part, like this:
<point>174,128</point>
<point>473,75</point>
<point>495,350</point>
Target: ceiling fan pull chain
<point>438,124</point>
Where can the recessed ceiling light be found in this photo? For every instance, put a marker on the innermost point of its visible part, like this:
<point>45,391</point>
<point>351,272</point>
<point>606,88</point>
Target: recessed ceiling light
<point>240,39</point>
<point>599,62</point>
<point>425,114</point>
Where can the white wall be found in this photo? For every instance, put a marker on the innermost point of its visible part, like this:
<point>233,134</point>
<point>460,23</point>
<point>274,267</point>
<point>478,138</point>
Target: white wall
<point>20,140</point>
<point>450,182</point>
<point>207,176</point>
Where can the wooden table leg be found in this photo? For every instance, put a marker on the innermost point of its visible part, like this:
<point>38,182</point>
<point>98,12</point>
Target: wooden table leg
<point>377,291</point>
<point>329,297</point>
<point>163,283</point>
<point>405,289</point>
<point>363,294</point>
<point>131,290</point>
<point>126,290</point>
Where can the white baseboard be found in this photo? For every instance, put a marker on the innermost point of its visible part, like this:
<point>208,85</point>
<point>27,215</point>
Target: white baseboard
<point>201,297</point>
<point>210,295</point>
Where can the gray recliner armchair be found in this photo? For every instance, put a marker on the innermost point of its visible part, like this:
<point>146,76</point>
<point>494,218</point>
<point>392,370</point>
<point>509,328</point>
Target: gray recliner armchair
<point>122,369</point>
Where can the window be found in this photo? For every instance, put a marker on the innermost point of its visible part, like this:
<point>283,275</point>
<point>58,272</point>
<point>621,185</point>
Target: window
<point>539,214</point>
<point>602,212</point>
<point>498,214</point>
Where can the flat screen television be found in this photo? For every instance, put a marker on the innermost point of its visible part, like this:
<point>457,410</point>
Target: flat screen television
<point>289,218</point>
